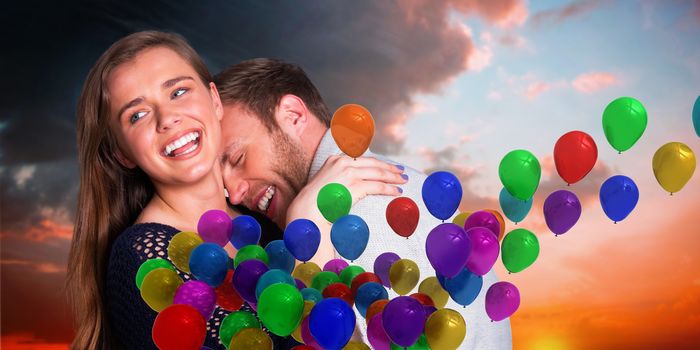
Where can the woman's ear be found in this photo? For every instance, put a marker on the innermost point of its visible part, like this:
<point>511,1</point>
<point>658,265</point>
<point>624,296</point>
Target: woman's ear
<point>291,115</point>
<point>124,161</point>
<point>216,100</point>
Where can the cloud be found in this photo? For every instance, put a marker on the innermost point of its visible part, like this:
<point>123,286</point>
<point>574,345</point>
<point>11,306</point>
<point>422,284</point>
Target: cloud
<point>594,81</point>
<point>561,14</point>
<point>23,174</point>
<point>512,40</point>
<point>536,88</point>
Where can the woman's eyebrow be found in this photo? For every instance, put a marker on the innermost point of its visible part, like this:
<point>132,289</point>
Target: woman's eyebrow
<point>131,103</point>
<point>169,83</point>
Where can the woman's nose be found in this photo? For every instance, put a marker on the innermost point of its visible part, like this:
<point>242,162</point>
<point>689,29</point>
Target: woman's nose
<point>167,119</point>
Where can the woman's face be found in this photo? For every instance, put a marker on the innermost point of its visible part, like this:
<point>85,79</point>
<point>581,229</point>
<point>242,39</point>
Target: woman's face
<point>165,119</point>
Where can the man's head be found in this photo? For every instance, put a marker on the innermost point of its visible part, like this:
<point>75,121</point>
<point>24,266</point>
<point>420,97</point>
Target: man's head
<point>274,119</point>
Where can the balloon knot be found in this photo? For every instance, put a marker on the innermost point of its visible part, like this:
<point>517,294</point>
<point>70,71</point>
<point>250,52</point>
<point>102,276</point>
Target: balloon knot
<point>509,272</point>
<point>619,152</point>
<point>568,184</point>
<point>671,193</point>
<point>491,320</point>
<point>615,222</point>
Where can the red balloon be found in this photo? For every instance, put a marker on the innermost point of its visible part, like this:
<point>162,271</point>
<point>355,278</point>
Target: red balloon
<point>402,215</point>
<point>424,299</point>
<point>362,279</point>
<point>179,327</point>
<point>226,296</point>
<point>575,154</point>
<point>303,347</point>
<point>339,290</point>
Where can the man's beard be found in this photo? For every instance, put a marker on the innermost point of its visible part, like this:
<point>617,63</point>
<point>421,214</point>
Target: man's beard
<point>291,163</point>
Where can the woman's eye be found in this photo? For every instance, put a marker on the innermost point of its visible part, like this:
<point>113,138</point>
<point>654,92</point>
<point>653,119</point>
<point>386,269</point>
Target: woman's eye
<point>179,92</point>
<point>136,116</point>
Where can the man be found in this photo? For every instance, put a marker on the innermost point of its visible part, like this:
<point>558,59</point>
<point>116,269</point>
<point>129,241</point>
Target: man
<point>276,139</point>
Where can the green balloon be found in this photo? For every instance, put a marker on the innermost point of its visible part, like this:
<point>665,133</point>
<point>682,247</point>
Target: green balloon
<point>324,279</point>
<point>520,173</point>
<point>233,323</point>
<point>349,273</point>
<point>624,122</point>
<point>420,344</point>
<point>334,201</point>
<point>280,308</point>
<point>150,265</point>
<point>519,250</point>
<point>248,252</point>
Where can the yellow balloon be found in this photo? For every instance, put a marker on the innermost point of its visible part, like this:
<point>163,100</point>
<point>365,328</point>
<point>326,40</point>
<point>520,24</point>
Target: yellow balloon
<point>180,248</point>
<point>674,164</point>
<point>251,339</point>
<point>308,305</point>
<point>404,275</point>
<point>356,345</point>
<point>461,218</point>
<point>158,288</point>
<point>306,272</point>
<point>432,288</point>
<point>445,329</point>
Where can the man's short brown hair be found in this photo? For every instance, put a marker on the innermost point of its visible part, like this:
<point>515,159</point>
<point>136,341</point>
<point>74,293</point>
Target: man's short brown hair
<point>259,85</point>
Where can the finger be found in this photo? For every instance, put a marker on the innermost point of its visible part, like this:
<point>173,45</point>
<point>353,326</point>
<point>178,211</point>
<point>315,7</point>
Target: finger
<point>363,162</point>
<point>374,174</point>
<point>367,188</point>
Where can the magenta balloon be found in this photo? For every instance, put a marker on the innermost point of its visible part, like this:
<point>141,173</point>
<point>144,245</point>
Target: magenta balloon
<point>448,249</point>
<point>215,226</point>
<point>502,300</point>
<point>376,335</point>
<point>306,334</point>
<point>197,294</point>
<point>382,265</point>
<point>485,219</point>
<point>335,266</point>
<point>485,249</point>
<point>403,319</point>
<point>562,209</point>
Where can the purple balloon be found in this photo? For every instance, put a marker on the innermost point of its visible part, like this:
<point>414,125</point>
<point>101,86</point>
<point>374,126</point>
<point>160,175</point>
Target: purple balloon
<point>485,219</point>
<point>215,226</point>
<point>197,294</point>
<point>562,210</point>
<point>485,249</point>
<point>246,277</point>
<point>376,335</point>
<point>429,310</point>
<point>404,320</point>
<point>382,265</point>
<point>335,266</point>
<point>502,300</point>
<point>448,249</point>
<point>300,284</point>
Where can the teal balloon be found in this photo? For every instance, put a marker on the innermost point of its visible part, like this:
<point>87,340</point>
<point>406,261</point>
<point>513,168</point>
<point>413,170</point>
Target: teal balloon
<point>624,122</point>
<point>520,173</point>
<point>272,277</point>
<point>311,294</point>
<point>696,116</point>
<point>349,235</point>
<point>515,209</point>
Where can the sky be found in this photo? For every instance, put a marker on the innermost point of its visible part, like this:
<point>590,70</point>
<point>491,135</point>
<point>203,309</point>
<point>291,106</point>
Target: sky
<point>452,85</point>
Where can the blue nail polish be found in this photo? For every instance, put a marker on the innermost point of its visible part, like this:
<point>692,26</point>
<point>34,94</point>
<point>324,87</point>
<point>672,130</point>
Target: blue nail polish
<point>404,176</point>
<point>400,189</point>
<point>400,167</point>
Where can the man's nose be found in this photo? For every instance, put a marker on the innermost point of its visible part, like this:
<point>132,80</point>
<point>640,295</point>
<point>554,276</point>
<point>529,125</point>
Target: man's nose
<point>237,192</point>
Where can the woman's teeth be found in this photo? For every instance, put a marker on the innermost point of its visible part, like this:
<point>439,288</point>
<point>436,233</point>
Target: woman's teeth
<point>265,200</point>
<point>182,141</point>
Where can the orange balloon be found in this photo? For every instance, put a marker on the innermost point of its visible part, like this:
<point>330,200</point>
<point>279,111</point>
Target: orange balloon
<point>499,217</point>
<point>352,128</point>
<point>375,308</point>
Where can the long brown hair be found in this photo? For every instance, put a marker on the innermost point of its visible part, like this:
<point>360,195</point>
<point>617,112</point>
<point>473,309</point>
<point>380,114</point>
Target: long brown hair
<point>111,196</point>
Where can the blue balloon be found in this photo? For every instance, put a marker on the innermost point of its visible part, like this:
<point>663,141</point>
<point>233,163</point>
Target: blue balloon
<point>245,231</point>
<point>280,257</point>
<point>209,264</point>
<point>515,209</point>
<point>272,277</point>
<point>311,294</point>
<point>618,196</point>
<point>302,238</point>
<point>442,193</point>
<point>350,235</point>
<point>463,288</point>
<point>367,294</point>
<point>332,323</point>
<point>696,116</point>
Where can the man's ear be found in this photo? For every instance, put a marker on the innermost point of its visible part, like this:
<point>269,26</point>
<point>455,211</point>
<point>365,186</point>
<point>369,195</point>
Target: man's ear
<point>123,160</point>
<point>216,100</point>
<point>291,115</point>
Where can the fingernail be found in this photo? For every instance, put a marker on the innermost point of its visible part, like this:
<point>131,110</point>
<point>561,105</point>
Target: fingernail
<point>400,189</point>
<point>404,176</point>
<point>400,167</point>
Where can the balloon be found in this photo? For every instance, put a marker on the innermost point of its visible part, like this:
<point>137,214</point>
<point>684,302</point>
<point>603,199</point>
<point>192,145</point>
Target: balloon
<point>180,248</point>
<point>562,210</point>
<point>233,323</point>
<point>501,222</point>
<point>251,338</point>
<point>334,201</point>
<point>618,197</point>
<point>442,193</point>
<point>279,257</point>
<point>402,215</point>
<point>245,231</point>
<point>575,154</point>
<point>251,252</point>
<point>302,238</point>
<point>280,308</point>
<point>198,295</point>
<point>484,250</point>
<point>420,344</point>
<point>159,287</point>
<point>332,323</point>
<point>272,277</point>
<point>226,296</point>
<point>445,329</point>
<point>404,275</point>
<point>349,273</point>
<point>460,218</point>
<point>502,300</point>
<point>376,335</point>
<point>696,116</point>
<point>515,209</point>
<point>367,294</point>
<point>339,290</point>
<point>245,278</point>
<point>150,265</point>
<point>349,235</point>
<point>463,288</point>
<point>423,299</point>
<point>448,248</point>
<point>179,327</point>
<point>520,173</point>
<point>335,266</point>
<point>300,285</point>
<point>519,250</point>
<point>306,334</point>
<point>673,164</point>
<point>209,263</point>
<point>403,319</point>
<point>308,306</point>
<point>306,272</point>
<point>361,279</point>
<point>311,294</point>
<point>624,122</point>
<point>382,265</point>
<point>303,347</point>
<point>214,226</point>
<point>432,288</point>
<point>429,310</point>
<point>355,345</point>
<point>376,308</point>
<point>323,279</point>
<point>483,218</point>
<point>352,128</point>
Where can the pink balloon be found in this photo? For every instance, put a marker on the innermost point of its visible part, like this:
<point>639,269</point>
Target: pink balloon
<point>335,265</point>
<point>485,249</point>
<point>197,294</point>
<point>376,334</point>
<point>306,335</point>
<point>502,300</point>
<point>215,226</point>
<point>485,219</point>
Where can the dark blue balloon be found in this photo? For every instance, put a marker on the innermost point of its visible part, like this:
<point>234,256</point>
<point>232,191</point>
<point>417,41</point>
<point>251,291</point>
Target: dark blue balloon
<point>442,193</point>
<point>271,277</point>
<point>302,238</point>
<point>463,288</point>
<point>209,264</point>
<point>280,257</point>
<point>332,323</point>
<point>245,231</point>
<point>618,196</point>
<point>350,235</point>
<point>311,294</point>
<point>367,294</point>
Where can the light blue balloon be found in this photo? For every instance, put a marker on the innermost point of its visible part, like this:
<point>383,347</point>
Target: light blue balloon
<point>442,193</point>
<point>209,263</point>
<point>349,235</point>
<point>618,197</point>
<point>280,257</point>
<point>272,277</point>
<point>463,288</point>
<point>696,116</point>
<point>245,230</point>
<point>515,209</point>
<point>311,294</point>
<point>367,294</point>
